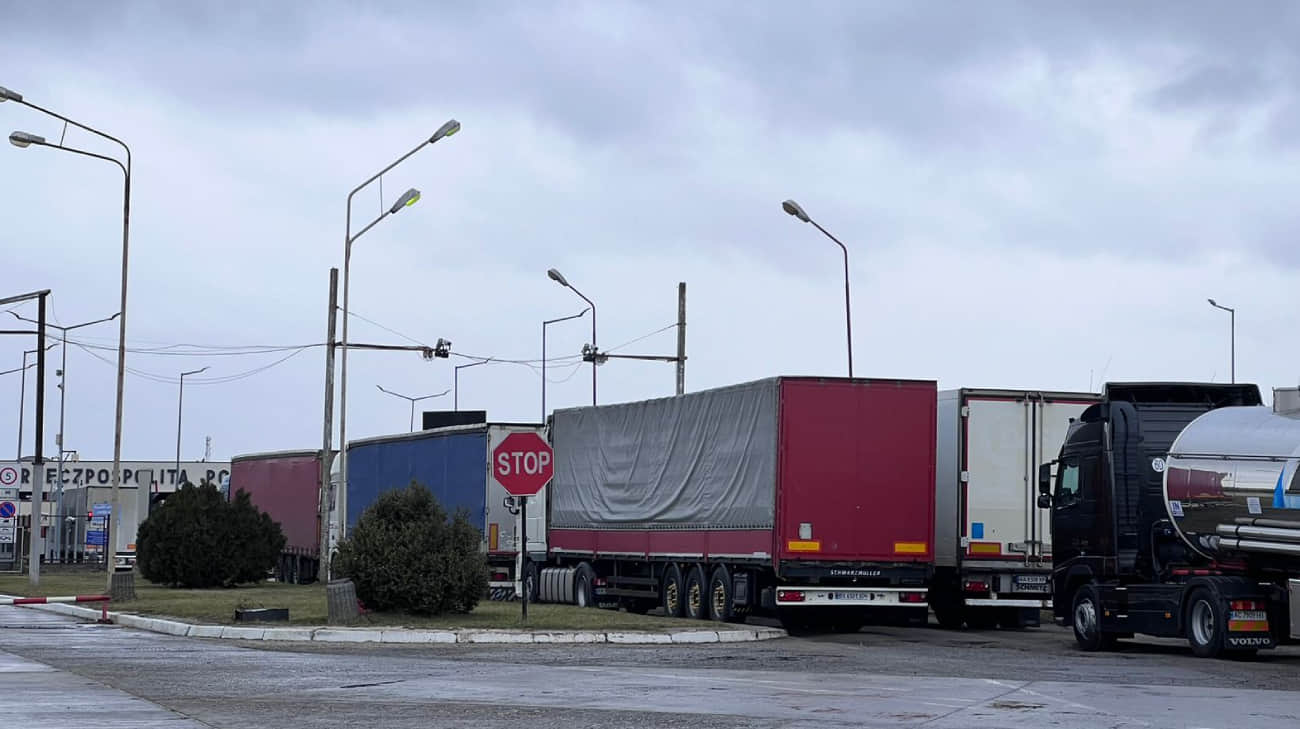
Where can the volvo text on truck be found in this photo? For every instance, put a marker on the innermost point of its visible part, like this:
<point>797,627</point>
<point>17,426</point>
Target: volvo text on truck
<point>993,545</point>
<point>807,498</point>
<point>1176,513</point>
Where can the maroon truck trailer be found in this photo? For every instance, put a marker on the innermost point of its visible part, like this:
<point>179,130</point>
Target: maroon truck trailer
<point>286,485</point>
<point>807,498</point>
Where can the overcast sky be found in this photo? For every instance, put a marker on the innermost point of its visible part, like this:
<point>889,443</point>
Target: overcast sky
<point>1033,195</point>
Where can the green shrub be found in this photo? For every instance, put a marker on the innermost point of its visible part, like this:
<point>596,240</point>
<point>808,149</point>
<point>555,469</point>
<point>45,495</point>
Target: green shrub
<point>404,554</point>
<point>197,538</point>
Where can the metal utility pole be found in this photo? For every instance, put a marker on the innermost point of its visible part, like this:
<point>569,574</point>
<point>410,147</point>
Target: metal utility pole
<point>793,208</point>
<point>1232,313</point>
<point>180,400</point>
<point>681,337</point>
<point>545,324</point>
<point>61,438</point>
<point>38,463</point>
<point>327,436</point>
<point>36,537</point>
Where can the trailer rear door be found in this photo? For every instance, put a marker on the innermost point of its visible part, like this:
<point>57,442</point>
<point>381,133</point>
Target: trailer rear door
<point>856,471</point>
<point>1005,437</point>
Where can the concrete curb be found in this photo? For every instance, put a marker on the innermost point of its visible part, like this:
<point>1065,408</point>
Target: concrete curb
<point>738,634</point>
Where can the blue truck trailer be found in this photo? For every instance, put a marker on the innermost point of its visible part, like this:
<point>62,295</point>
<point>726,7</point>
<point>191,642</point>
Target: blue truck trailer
<point>454,464</point>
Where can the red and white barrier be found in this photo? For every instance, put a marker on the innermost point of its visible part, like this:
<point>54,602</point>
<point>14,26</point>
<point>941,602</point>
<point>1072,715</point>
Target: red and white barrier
<point>103,614</point>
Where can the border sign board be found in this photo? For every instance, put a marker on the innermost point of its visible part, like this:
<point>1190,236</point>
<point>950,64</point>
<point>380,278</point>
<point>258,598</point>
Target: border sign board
<point>101,511</point>
<point>153,475</point>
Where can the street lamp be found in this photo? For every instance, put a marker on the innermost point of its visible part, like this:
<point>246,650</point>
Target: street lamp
<point>544,325</point>
<point>21,139</point>
<point>793,208</point>
<point>413,401</point>
<point>407,199</point>
<point>559,278</point>
<point>63,391</point>
<point>455,381</point>
<point>1232,314</point>
<point>22,396</point>
<point>180,399</point>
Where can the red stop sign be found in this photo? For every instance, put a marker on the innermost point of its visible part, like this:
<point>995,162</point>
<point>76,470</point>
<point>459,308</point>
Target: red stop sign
<point>523,463</point>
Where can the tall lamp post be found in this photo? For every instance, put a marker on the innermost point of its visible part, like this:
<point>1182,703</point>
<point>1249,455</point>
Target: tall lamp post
<point>180,403</point>
<point>545,324</point>
<point>793,208</point>
<point>1232,313</point>
<point>61,439</point>
<point>455,381</point>
<point>406,200</point>
<point>22,395</point>
<point>21,140</point>
<point>559,278</point>
<point>412,400</point>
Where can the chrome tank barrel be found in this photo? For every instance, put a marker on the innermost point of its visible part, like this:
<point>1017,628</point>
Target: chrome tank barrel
<point>1232,482</point>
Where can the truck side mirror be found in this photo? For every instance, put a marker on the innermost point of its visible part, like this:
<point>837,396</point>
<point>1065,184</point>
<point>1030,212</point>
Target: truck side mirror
<point>1045,480</point>
<point>1044,501</point>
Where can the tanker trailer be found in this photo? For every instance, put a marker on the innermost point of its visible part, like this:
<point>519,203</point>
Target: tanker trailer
<point>1175,512</point>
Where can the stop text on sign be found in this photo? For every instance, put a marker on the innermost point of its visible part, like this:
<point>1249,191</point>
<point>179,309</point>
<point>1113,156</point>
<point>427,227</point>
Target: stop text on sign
<point>522,463</point>
<point>528,462</point>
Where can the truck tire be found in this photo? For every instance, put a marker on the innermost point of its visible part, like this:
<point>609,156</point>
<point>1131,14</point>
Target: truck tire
<point>948,611</point>
<point>583,594</point>
<point>696,603</point>
<point>1086,613</point>
<point>1206,623</point>
<point>722,605</point>
<point>673,593</point>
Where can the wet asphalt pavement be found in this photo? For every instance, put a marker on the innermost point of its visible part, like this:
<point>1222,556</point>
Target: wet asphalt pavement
<point>882,676</point>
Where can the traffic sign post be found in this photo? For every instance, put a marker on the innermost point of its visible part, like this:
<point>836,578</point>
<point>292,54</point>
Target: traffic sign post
<point>523,464</point>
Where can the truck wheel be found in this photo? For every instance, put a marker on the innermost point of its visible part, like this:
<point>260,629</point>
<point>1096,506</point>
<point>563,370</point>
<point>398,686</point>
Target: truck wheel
<point>949,613</point>
<point>674,591</point>
<point>696,602</point>
<point>1205,624</point>
<point>1086,612</point>
<point>583,581</point>
<point>721,604</point>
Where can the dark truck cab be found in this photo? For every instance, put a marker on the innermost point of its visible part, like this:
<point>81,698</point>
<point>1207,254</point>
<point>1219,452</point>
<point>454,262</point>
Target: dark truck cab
<point>1120,565</point>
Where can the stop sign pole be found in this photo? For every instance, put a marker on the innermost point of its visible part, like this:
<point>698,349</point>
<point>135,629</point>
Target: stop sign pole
<point>523,464</point>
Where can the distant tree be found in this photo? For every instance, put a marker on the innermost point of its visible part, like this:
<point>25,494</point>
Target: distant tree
<point>197,538</point>
<point>405,554</point>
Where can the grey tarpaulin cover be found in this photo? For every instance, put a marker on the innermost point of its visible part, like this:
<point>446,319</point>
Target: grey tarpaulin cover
<point>702,460</point>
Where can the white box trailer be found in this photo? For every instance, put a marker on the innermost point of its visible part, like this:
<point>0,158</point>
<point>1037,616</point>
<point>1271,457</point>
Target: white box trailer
<point>993,545</point>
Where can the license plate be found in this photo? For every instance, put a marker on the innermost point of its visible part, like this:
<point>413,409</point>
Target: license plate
<point>1031,579</point>
<point>1248,615</point>
<point>870,596</point>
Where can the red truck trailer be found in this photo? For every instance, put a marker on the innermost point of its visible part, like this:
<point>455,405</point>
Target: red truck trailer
<point>286,485</point>
<point>808,498</point>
